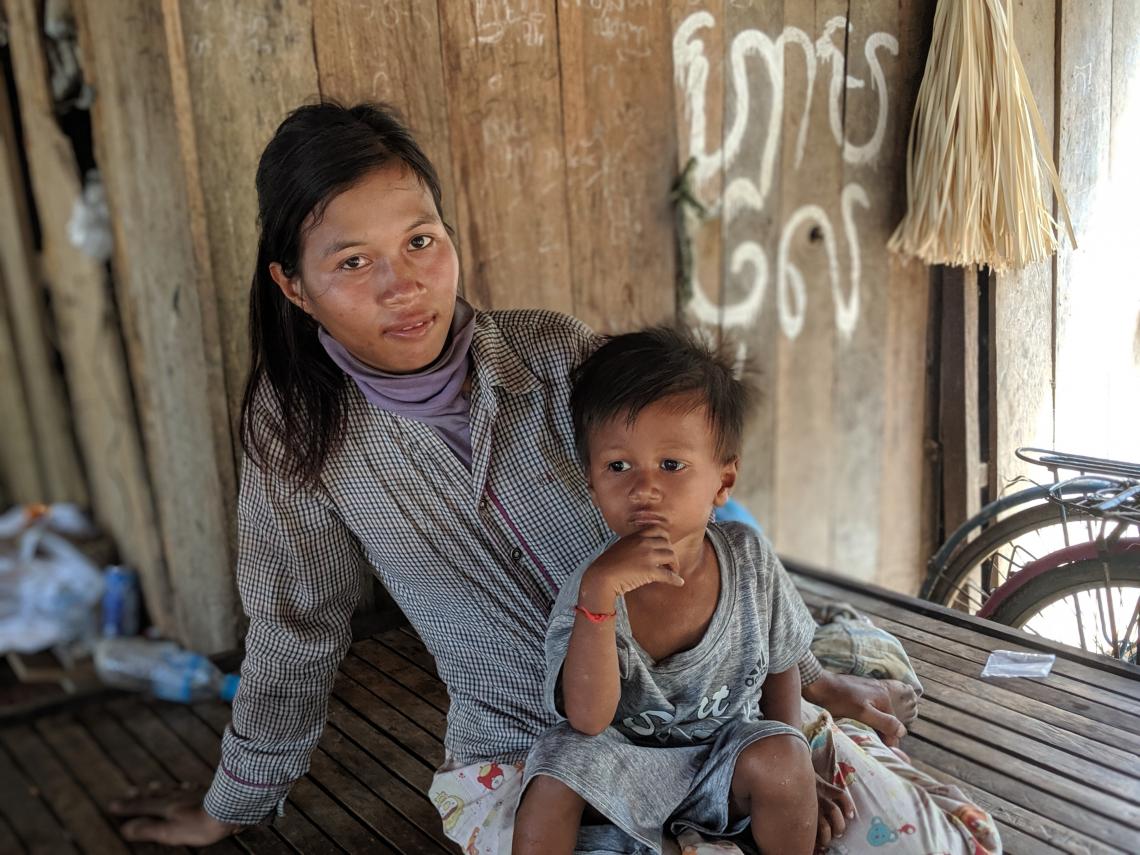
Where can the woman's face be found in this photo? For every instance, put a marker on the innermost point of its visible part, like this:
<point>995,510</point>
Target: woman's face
<point>379,272</point>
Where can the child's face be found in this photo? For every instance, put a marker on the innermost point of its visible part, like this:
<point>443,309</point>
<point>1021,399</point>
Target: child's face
<point>379,272</point>
<point>661,470</point>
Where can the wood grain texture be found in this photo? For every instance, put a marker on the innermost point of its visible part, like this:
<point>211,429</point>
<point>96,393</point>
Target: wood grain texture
<point>620,155</point>
<point>246,66</point>
<point>1085,283</point>
<point>176,371</point>
<point>20,479</point>
<point>90,338</point>
<point>32,324</point>
<point>1022,301</point>
<point>959,434</point>
<point>502,79</point>
<point>389,51</point>
<point>701,34</point>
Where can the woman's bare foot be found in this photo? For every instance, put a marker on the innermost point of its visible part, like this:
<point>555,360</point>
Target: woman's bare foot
<point>885,705</point>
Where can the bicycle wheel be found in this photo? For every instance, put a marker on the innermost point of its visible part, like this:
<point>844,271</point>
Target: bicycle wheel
<point>1072,603</point>
<point>975,570</point>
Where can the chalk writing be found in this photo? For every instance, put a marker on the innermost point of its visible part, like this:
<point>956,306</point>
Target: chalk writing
<point>750,193</point>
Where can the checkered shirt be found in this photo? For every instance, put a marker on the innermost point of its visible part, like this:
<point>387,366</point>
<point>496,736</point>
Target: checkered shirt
<point>473,557</point>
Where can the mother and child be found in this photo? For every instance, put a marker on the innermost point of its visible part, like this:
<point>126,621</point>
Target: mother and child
<point>622,671</point>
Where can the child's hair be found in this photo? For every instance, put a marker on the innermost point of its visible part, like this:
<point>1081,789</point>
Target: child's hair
<point>632,371</point>
<point>317,152</point>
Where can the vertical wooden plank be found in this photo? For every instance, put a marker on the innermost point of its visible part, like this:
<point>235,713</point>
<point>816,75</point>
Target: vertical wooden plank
<point>389,51</point>
<point>881,361</point>
<point>137,145</point>
<point>809,248</point>
<point>619,140</point>
<point>1123,406</point>
<point>61,477</point>
<point>750,221</point>
<point>89,335</point>
<point>1022,319</point>
<point>700,35</point>
<point>500,60</point>
<point>958,426</point>
<point>1086,280</point>
<point>873,132</point>
<point>245,65</point>
<point>20,479</point>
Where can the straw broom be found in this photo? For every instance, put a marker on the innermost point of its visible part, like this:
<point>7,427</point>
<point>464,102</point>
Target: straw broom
<point>976,150</point>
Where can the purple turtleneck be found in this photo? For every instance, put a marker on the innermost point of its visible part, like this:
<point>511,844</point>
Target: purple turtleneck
<point>433,395</point>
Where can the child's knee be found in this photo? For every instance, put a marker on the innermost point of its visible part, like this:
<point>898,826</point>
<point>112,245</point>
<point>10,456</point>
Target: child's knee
<point>774,768</point>
<point>553,795</point>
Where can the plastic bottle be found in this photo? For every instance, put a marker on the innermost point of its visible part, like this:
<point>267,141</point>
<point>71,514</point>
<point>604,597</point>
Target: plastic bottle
<point>120,602</point>
<point>163,669</point>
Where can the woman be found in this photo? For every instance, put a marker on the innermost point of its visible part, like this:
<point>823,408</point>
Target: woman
<point>385,421</point>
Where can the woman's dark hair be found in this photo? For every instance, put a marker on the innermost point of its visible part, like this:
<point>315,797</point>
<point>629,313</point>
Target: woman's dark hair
<point>317,152</point>
<point>630,372</point>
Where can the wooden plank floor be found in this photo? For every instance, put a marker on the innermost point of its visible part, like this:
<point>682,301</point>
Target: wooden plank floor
<point>1056,760</point>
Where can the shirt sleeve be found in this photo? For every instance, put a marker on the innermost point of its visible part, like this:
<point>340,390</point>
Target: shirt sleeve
<point>790,624</point>
<point>299,580</point>
<point>810,669</point>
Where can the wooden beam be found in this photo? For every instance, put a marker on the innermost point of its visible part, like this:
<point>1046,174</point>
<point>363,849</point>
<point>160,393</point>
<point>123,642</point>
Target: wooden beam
<point>61,476</point>
<point>1022,300</point>
<point>958,424</point>
<point>169,324</point>
<point>90,338</point>
<point>619,142</point>
<point>504,105</point>
<point>20,479</point>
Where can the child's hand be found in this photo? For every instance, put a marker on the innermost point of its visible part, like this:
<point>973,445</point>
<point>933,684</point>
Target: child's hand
<point>835,808</point>
<point>641,558</point>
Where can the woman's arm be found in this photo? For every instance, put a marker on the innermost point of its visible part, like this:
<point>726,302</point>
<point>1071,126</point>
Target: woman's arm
<point>298,574</point>
<point>780,697</point>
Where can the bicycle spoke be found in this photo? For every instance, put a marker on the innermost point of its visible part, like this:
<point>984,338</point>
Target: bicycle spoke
<point>1111,606</point>
<point>1080,621</point>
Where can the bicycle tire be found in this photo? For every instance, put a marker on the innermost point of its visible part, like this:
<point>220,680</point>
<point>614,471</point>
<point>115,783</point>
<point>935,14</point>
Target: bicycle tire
<point>1046,589</point>
<point>946,582</point>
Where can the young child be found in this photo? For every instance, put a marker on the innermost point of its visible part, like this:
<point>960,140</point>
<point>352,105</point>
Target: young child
<point>672,654</point>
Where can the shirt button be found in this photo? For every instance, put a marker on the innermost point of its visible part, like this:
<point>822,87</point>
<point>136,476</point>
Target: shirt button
<point>516,555</point>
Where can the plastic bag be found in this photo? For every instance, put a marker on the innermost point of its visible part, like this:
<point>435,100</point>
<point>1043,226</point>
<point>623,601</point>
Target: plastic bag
<point>1011,663</point>
<point>49,590</point>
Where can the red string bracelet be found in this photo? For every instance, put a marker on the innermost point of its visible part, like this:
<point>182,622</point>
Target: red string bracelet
<point>595,618</point>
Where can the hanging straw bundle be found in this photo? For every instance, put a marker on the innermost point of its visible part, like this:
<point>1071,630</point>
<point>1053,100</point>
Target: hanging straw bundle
<point>976,149</point>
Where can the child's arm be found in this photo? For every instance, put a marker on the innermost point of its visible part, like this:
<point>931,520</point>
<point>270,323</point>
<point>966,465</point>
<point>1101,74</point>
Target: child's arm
<point>780,697</point>
<point>591,685</point>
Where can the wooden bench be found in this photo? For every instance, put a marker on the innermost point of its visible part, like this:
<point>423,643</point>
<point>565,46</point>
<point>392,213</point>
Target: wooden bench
<point>1057,761</point>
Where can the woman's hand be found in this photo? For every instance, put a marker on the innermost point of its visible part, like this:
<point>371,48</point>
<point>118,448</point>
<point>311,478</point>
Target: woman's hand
<point>172,817</point>
<point>835,808</point>
<point>641,558</point>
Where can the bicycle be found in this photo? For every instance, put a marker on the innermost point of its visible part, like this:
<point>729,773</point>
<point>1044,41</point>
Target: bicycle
<point>1062,561</point>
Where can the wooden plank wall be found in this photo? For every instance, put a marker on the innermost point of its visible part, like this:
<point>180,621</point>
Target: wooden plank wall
<point>559,128</point>
<point>795,116</point>
<point>1066,369</point>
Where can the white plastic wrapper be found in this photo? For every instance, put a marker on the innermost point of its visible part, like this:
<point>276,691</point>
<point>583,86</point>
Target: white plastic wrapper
<point>89,228</point>
<point>48,589</point>
<point>1011,663</point>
